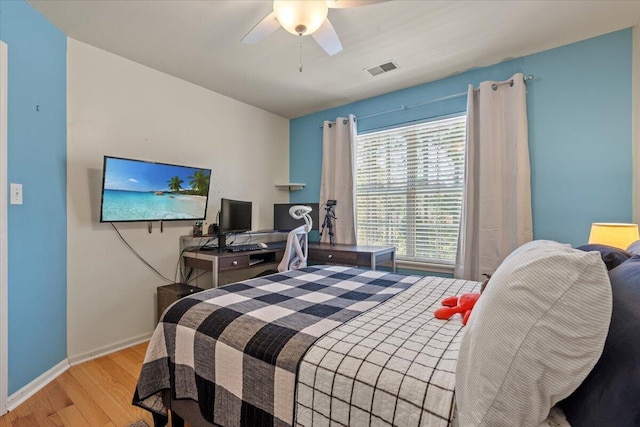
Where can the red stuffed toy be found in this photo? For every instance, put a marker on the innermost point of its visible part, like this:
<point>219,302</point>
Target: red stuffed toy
<point>462,305</point>
<point>453,305</point>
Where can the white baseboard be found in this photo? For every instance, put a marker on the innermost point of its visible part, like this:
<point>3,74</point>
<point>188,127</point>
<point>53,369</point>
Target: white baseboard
<point>36,385</point>
<point>112,348</point>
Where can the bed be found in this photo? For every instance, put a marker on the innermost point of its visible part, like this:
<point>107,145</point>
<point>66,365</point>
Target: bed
<point>328,345</point>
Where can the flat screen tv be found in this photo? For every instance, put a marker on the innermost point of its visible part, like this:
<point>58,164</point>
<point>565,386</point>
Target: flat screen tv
<point>235,216</point>
<point>139,190</point>
<point>282,221</point>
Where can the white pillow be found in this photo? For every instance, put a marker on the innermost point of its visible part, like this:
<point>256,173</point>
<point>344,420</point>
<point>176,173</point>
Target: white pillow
<point>533,336</point>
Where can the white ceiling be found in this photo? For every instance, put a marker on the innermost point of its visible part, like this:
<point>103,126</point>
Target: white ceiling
<point>199,41</point>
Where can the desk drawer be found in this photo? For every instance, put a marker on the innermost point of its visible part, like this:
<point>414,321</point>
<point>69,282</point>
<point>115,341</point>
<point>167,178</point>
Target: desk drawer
<point>230,263</point>
<point>333,257</point>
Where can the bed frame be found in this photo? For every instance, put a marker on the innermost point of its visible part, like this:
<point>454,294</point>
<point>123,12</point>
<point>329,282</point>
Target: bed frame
<point>189,409</point>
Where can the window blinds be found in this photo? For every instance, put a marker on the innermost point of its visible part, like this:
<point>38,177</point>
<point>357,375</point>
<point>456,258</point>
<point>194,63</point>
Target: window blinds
<point>409,188</point>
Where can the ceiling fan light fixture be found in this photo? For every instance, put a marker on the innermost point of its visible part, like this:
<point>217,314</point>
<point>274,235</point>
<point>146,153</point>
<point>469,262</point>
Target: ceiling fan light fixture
<point>300,17</point>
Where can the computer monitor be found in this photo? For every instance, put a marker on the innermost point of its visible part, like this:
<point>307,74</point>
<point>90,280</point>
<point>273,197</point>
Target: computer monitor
<point>235,216</point>
<point>282,221</point>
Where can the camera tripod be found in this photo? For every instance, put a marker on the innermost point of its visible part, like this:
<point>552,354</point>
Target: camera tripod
<point>329,216</point>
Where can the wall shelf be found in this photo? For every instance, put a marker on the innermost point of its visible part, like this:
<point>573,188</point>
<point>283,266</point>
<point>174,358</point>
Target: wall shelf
<point>290,186</point>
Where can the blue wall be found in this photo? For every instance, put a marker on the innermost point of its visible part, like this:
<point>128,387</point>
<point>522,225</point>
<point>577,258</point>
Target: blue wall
<point>579,109</point>
<point>37,237</point>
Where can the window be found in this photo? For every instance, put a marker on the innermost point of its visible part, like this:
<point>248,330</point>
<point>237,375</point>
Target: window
<point>409,188</point>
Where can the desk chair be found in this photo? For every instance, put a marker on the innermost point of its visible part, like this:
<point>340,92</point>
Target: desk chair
<point>297,249</point>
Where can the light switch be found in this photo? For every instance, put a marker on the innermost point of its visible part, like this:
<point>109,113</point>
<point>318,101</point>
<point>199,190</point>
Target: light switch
<point>16,194</point>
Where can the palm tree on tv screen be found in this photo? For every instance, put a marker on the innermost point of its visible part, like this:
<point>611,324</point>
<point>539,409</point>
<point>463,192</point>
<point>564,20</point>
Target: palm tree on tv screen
<point>199,182</point>
<point>175,184</point>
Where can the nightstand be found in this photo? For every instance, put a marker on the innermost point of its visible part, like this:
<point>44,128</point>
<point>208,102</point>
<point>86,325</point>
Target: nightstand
<point>169,294</point>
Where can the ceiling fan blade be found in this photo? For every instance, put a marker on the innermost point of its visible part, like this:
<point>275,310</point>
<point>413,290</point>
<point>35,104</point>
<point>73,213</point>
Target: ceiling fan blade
<point>327,38</point>
<point>342,4</point>
<point>262,29</point>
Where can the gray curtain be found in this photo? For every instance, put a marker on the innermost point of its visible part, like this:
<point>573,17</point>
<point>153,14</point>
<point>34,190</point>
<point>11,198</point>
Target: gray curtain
<point>496,206</point>
<point>338,177</point>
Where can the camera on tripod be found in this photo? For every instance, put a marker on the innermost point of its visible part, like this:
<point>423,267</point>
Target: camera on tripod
<point>329,216</point>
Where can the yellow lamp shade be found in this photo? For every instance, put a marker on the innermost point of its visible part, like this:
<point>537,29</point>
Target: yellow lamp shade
<point>301,17</point>
<point>613,234</point>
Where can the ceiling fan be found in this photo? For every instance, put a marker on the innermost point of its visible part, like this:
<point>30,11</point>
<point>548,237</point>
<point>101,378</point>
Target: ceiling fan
<point>303,18</point>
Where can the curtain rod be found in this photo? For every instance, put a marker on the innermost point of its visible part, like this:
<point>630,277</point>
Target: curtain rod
<point>443,98</point>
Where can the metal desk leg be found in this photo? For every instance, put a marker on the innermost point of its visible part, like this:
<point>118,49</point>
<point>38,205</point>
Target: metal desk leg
<point>393,260</point>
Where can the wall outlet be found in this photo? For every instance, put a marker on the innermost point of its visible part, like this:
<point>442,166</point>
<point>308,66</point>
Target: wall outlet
<point>16,194</point>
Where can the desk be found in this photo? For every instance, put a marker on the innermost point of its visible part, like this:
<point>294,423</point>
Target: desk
<point>223,264</point>
<point>352,255</point>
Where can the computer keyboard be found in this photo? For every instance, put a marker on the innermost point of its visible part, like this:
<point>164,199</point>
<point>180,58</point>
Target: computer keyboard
<point>243,248</point>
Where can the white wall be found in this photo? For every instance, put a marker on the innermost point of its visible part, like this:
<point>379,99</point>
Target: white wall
<point>120,108</point>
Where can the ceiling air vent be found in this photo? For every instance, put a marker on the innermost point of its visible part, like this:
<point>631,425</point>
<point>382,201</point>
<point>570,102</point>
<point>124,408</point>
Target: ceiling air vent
<point>382,68</point>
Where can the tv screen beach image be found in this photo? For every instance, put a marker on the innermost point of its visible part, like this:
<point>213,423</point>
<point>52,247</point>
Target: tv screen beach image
<point>135,190</point>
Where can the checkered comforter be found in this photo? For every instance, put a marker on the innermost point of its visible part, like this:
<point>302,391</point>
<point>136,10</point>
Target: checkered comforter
<point>392,366</point>
<point>236,349</point>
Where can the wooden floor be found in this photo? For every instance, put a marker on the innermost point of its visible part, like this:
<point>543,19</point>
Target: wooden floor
<point>97,393</point>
